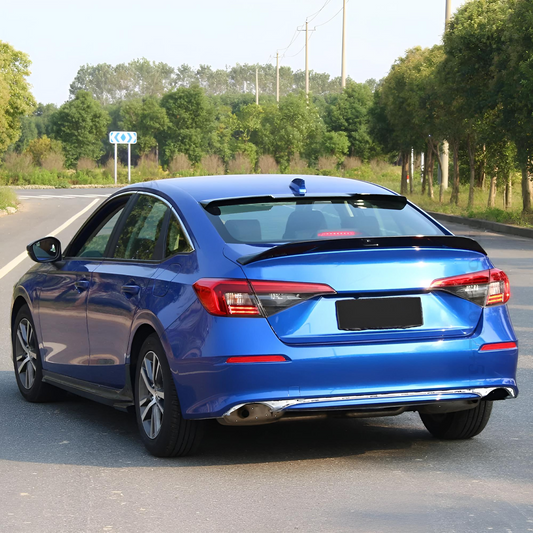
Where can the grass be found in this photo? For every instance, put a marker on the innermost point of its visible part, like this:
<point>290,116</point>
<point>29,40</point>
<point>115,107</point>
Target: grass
<point>390,178</point>
<point>7,198</point>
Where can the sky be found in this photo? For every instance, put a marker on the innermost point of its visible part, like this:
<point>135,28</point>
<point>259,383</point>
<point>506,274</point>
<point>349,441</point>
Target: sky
<point>60,36</point>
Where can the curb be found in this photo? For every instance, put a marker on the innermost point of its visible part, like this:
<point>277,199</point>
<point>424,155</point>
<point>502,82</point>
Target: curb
<point>497,227</point>
<point>8,211</point>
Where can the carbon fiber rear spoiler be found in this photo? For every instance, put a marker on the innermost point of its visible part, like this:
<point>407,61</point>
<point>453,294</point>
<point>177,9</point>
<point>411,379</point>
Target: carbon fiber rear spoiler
<point>310,247</point>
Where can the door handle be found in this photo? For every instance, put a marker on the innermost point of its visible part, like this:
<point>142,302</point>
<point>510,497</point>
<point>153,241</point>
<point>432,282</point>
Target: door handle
<point>130,289</point>
<point>81,285</point>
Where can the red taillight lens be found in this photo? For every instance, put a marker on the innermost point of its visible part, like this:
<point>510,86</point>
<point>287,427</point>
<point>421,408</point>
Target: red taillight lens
<point>485,288</point>
<point>223,297</point>
<point>227,297</point>
<point>257,359</point>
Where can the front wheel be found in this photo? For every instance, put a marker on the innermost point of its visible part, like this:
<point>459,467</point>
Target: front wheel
<point>458,425</point>
<point>27,360</point>
<point>164,431</point>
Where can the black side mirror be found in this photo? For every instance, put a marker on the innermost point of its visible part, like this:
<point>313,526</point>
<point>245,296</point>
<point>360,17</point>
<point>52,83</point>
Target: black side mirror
<point>45,250</point>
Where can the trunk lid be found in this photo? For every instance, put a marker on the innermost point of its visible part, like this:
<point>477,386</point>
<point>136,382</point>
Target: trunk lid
<point>371,273</point>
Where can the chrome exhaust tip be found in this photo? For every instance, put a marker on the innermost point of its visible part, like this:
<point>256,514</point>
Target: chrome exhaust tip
<point>250,414</point>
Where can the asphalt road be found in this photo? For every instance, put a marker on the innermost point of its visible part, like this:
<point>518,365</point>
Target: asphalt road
<point>77,466</point>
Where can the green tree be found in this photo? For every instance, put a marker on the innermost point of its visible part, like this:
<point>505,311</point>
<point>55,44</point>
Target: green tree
<point>16,99</point>
<point>190,121</point>
<point>42,147</point>
<point>516,77</point>
<point>472,44</point>
<point>350,114</point>
<point>291,128</point>
<point>148,119</point>
<point>81,125</point>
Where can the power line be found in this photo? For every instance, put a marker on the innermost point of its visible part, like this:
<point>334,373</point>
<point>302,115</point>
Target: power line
<point>310,18</point>
<point>301,49</point>
<point>328,21</point>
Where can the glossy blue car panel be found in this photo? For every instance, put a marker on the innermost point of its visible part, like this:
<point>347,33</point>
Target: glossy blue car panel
<point>62,314</point>
<point>323,361</point>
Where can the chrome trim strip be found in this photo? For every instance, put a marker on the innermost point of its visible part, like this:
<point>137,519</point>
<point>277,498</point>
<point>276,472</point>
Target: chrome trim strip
<point>281,405</point>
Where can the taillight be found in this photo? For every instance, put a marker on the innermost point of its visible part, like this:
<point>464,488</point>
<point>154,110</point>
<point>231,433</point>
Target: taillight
<point>228,297</point>
<point>485,288</point>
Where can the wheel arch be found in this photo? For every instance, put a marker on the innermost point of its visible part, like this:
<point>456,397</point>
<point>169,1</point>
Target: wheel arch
<point>140,335</point>
<point>19,302</point>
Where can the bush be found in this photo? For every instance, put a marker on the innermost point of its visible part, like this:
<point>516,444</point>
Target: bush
<point>147,167</point>
<point>378,166</point>
<point>351,163</point>
<point>240,164</point>
<point>39,149</point>
<point>212,165</point>
<point>54,161</point>
<point>267,165</point>
<point>180,164</point>
<point>298,165</point>
<point>18,163</point>
<point>327,164</point>
<point>84,163</point>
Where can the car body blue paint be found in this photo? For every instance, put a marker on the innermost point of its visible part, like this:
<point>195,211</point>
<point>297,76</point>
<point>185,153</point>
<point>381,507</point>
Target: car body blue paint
<point>322,360</point>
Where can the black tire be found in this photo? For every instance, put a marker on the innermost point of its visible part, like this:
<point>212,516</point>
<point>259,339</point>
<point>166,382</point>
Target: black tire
<point>27,361</point>
<point>164,432</point>
<point>459,425</point>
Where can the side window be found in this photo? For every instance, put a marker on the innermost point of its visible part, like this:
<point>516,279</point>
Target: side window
<point>176,243</point>
<point>91,241</point>
<point>141,230</point>
<point>96,244</point>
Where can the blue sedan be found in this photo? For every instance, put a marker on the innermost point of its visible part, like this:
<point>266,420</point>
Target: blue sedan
<point>248,299</point>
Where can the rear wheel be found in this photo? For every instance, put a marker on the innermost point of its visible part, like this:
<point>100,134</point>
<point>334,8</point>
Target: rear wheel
<point>27,360</point>
<point>459,425</point>
<point>164,431</point>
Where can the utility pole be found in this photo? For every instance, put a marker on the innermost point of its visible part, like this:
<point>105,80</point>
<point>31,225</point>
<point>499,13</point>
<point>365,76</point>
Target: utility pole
<point>343,72</point>
<point>448,13</point>
<point>277,76</point>
<point>306,58</point>
<point>256,86</point>
<point>445,148</point>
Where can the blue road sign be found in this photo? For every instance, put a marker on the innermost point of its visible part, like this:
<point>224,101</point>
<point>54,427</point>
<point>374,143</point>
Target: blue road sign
<point>123,137</point>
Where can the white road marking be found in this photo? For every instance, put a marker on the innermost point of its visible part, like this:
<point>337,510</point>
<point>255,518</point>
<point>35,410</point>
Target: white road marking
<point>15,262</point>
<point>67,196</point>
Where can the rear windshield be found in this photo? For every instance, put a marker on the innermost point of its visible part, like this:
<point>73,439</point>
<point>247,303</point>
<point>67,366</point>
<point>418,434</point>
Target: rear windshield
<point>283,221</point>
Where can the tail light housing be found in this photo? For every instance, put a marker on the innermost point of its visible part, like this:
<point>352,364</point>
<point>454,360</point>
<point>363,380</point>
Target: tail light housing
<point>254,298</point>
<point>486,288</point>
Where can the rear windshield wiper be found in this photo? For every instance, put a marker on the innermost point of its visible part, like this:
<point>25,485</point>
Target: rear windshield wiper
<point>309,247</point>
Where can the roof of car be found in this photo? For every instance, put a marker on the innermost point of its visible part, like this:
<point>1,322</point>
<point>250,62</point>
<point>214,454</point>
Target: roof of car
<point>203,188</point>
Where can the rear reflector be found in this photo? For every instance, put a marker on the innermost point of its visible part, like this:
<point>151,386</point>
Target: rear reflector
<point>238,297</point>
<point>499,346</point>
<point>257,359</point>
<point>485,288</point>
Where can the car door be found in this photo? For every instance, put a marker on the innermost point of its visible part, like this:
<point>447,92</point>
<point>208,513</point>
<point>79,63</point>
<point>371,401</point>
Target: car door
<point>119,286</point>
<point>64,291</point>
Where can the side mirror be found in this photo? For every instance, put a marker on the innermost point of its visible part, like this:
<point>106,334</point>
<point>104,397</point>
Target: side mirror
<point>45,250</point>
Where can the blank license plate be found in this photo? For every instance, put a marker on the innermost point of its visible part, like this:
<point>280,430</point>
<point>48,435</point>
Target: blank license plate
<point>379,313</point>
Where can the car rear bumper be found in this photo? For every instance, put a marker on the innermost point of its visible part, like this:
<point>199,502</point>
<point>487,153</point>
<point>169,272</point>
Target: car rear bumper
<point>369,404</point>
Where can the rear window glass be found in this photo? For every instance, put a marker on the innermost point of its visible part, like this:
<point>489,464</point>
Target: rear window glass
<point>306,219</point>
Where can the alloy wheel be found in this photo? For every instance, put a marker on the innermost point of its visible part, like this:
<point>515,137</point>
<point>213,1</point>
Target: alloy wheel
<point>151,394</point>
<point>26,353</point>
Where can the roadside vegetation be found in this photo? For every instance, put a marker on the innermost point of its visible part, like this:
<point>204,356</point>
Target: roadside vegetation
<point>472,91</point>
<point>7,198</point>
